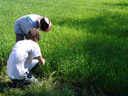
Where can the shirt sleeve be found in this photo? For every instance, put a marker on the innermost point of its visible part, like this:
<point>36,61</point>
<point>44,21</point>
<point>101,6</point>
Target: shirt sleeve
<point>36,51</point>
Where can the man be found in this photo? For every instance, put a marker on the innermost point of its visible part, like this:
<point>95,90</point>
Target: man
<point>25,23</point>
<point>25,56</point>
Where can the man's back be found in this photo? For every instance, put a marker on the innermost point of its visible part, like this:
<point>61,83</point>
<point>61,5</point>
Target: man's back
<point>21,57</point>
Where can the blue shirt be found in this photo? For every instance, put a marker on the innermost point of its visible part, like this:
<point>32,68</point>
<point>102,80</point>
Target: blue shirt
<point>25,23</point>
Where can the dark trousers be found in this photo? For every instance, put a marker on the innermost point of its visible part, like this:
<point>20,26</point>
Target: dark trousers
<point>20,37</point>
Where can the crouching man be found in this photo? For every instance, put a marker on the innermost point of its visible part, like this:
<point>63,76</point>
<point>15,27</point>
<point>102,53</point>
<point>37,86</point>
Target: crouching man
<point>24,58</point>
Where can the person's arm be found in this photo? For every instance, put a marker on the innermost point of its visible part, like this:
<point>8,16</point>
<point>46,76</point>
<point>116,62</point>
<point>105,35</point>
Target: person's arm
<point>41,60</point>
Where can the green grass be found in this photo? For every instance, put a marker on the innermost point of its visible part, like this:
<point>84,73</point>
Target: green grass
<point>87,46</point>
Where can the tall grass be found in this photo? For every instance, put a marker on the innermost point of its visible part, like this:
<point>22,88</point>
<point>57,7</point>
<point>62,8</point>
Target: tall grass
<point>87,46</point>
<point>49,87</point>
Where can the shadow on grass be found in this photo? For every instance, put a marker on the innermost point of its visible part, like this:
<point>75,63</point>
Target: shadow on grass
<point>85,60</point>
<point>3,86</point>
<point>105,47</point>
<point>110,23</point>
<point>120,4</point>
<point>100,49</point>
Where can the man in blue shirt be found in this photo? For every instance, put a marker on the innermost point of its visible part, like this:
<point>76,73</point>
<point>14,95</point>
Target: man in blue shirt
<point>25,23</point>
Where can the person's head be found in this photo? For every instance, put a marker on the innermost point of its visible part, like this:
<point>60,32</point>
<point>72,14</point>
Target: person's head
<point>34,34</point>
<point>45,24</point>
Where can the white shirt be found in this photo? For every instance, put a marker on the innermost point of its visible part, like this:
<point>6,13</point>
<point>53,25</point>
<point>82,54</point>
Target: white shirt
<point>25,23</point>
<point>21,57</point>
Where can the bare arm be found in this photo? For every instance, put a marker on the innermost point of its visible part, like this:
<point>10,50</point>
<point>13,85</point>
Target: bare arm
<point>41,60</point>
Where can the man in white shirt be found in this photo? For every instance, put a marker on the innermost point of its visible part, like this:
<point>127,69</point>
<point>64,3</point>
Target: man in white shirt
<point>25,23</point>
<point>24,57</point>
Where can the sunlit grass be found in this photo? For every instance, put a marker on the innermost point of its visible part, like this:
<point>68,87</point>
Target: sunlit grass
<point>87,46</point>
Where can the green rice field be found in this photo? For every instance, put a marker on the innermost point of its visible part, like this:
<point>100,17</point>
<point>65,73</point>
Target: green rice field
<point>86,51</point>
